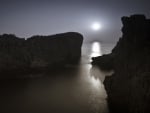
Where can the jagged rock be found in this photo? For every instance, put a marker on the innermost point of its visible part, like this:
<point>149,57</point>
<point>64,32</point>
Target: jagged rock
<point>129,87</point>
<point>39,51</point>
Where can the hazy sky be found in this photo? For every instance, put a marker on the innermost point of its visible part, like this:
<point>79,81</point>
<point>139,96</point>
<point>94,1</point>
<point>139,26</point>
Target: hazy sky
<point>45,17</point>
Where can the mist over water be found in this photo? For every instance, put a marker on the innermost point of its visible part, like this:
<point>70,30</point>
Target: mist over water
<point>76,89</point>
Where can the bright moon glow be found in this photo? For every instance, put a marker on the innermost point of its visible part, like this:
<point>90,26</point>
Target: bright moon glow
<point>96,49</point>
<point>96,26</point>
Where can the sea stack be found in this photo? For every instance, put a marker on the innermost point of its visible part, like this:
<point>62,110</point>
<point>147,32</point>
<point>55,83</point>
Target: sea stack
<point>39,52</point>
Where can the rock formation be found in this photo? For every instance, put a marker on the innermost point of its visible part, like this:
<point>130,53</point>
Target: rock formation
<point>129,87</point>
<point>104,62</point>
<point>39,52</point>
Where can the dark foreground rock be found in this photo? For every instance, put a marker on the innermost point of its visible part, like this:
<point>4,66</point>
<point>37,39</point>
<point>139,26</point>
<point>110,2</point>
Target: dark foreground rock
<point>39,52</point>
<point>129,87</point>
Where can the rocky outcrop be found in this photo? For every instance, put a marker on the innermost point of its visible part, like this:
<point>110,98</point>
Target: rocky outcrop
<point>129,87</point>
<point>104,62</point>
<point>39,52</point>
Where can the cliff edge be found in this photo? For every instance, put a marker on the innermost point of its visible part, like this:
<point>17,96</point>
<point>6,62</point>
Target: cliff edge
<point>129,87</point>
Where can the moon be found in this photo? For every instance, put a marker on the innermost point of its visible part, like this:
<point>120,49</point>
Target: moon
<point>96,26</point>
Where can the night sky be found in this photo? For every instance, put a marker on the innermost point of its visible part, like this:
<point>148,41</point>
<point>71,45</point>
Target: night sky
<point>45,17</point>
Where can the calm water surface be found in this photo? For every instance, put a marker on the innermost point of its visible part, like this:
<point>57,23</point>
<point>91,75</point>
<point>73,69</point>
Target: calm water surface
<point>76,89</point>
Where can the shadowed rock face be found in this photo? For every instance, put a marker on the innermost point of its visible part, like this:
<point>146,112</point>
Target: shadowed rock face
<point>129,87</point>
<point>39,51</point>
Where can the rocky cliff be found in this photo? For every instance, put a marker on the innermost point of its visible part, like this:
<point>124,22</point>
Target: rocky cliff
<point>39,52</point>
<point>129,87</point>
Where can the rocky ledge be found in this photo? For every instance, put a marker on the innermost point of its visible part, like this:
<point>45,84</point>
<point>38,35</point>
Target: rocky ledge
<point>129,87</point>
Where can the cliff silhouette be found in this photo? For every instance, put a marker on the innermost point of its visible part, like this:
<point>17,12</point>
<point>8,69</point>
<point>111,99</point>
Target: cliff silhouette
<point>38,52</point>
<point>129,87</point>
